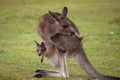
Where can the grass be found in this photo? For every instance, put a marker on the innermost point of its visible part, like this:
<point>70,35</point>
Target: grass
<point>97,20</point>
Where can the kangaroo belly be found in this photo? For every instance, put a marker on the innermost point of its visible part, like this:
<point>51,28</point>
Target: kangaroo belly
<point>55,61</point>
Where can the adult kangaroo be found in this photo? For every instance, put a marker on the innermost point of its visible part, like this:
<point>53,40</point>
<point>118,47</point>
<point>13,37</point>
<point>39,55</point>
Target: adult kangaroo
<point>74,48</point>
<point>52,23</point>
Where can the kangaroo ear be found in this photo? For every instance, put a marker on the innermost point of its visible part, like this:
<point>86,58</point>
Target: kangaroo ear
<point>64,13</point>
<point>37,44</point>
<point>42,44</point>
<point>54,16</point>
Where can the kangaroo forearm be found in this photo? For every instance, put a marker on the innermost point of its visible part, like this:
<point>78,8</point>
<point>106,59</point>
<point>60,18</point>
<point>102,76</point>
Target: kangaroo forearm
<point>56,45</point>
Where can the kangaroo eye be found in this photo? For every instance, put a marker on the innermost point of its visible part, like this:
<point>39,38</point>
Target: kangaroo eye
<point>65,26</point>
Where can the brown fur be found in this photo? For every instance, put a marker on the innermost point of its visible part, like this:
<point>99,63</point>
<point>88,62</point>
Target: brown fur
<point>74,48</point>
<point>52,23</point>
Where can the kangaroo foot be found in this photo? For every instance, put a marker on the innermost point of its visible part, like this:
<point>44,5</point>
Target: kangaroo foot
<point>45,71</point>
<point>40,75</point>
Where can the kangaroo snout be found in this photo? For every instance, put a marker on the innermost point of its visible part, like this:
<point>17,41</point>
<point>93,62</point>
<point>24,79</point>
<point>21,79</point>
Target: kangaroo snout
<point>72,33</point>
<point>79,37</point>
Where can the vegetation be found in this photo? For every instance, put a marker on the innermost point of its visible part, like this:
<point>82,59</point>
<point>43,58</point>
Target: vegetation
<point>97,20</point>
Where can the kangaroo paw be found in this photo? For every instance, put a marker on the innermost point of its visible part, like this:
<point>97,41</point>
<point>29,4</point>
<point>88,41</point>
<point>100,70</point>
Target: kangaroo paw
<point>63,50</point>
<point>39,75</point>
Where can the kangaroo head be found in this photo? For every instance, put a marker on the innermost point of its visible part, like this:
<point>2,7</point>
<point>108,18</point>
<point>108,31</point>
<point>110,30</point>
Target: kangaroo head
<point>61,23</point>
<point>40,48</point>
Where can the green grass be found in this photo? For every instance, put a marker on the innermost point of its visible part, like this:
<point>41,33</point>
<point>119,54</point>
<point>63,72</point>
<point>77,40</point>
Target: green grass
<point>97,20</point>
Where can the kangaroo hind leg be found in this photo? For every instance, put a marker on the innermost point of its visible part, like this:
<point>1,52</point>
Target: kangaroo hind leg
<point>45,73</point>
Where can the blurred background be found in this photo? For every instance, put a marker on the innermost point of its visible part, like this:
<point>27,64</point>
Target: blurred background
<point>97,20</point>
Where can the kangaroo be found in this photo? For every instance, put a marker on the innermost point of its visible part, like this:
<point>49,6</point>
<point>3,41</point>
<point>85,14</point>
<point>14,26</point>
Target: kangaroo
<point>74,48</point>
<point>52,23</point>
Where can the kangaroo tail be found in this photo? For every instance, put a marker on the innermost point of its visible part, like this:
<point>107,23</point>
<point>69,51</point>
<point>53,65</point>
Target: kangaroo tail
<point>89,69</point>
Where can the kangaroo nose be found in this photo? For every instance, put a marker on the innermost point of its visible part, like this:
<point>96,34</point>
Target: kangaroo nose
<point>72,33</point>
